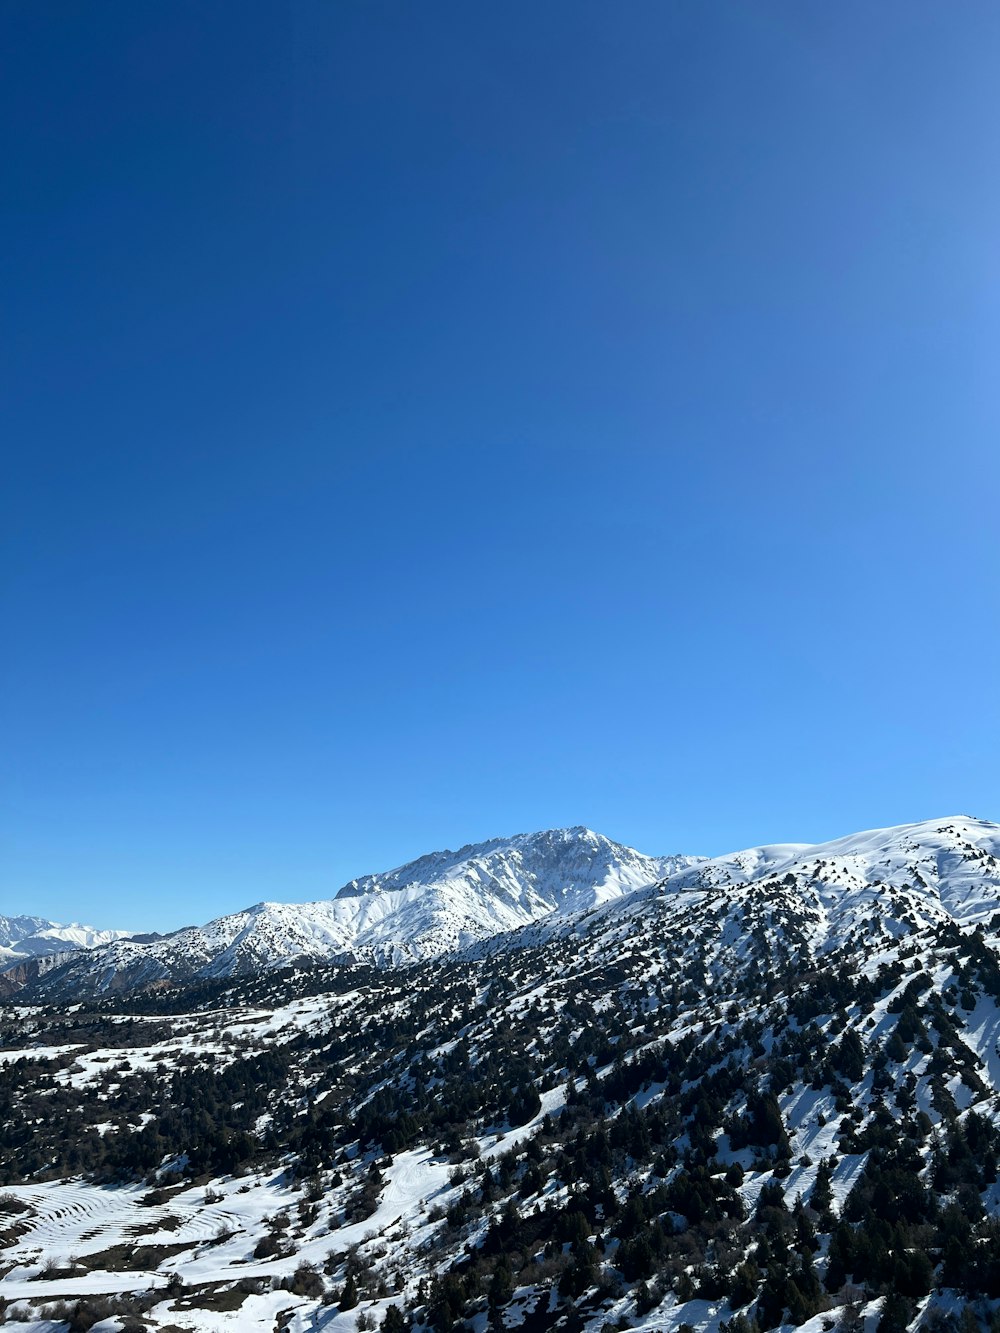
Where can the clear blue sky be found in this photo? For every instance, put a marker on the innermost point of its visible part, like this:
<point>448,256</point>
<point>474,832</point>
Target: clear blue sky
<point>430,421</point>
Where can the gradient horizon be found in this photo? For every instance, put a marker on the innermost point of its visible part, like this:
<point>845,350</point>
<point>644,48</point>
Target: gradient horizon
<point>425,424</point>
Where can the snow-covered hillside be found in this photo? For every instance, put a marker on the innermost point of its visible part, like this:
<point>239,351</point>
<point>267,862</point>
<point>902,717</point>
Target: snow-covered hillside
<point>947,861</point>
<point>934,871</point>
<point>440,903</point>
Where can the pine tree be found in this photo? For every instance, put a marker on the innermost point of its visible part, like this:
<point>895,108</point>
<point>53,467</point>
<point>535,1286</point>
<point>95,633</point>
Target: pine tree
<point>349,1296</point>
<point>746,1280</point>
<point>897,1311</point>
<point>848,1056</point>
<point>500,1292</point>
<point>821,1198</point>
<point>394,1321</point>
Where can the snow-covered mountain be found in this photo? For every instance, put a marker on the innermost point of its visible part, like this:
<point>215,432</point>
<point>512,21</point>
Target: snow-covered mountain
<point>34,937</point>
<point>437,904</point>
<point>448,899</point>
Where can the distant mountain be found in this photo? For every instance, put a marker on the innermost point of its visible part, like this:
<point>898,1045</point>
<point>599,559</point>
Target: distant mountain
<point>864,892</point>
<point>438,904</point>
<point>35,937</point>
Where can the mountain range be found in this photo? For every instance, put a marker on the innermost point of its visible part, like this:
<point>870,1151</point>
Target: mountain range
<point>438,904</point>
<point>451,901</point>
<point>541,1083</point>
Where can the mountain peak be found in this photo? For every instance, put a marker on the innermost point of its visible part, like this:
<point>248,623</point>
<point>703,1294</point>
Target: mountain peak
<point>548,862</point>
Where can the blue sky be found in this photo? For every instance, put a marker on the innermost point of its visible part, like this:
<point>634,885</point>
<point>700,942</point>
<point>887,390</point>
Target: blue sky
<point>427,422</point>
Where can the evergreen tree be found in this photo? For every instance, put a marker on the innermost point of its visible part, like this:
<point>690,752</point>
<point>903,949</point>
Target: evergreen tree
<point>349,1296</point>
<point>897,1312</point>
<point>394,1320</point>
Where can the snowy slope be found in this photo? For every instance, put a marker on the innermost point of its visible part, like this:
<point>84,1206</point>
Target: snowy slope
<point>865,891</point>
<point>936,870</point>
